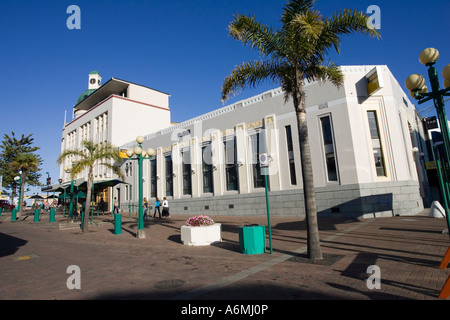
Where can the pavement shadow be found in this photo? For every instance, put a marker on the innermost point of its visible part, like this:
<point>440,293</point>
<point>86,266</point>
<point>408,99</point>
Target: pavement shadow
<point>172,290</point>
<point>358,270</point>
<point>10,244</point>
<point>175,238</point>
<point>229,245</point>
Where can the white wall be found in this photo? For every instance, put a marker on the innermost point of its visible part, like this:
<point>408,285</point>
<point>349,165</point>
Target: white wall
<point>130,120</point>
<point>148,95</point>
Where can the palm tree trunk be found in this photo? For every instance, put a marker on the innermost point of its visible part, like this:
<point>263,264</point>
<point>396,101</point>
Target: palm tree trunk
<point>87,208</point>
<point>314,250</point>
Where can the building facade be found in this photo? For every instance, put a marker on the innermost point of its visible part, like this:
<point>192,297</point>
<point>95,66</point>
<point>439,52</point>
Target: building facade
<point>365,141</point>
<point>114,112</point>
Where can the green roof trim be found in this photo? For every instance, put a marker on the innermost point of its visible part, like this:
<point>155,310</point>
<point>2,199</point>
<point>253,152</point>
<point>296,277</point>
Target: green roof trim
<point>94,72</point>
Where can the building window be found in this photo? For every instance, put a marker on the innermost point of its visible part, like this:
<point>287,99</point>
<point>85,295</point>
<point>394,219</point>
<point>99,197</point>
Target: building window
<point>153,179</point>
<point>129,169</point>
<point>328,144</point>
<point>376,144</point>
<point>256,148</point>
<point>187,177</point>
<point>207,169</point>
<point>169,175</point>
<point>290,149</point>
<point>230,164</point>
<point>129,194</point>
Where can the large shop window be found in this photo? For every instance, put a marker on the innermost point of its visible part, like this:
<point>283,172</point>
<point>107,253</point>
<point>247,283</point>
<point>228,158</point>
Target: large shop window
<point>169,175</point>
<point>187,177</point>
<point>376,144</point>
<point>231,164</point>
<point>328,144</point>
<point>257,146</point>
<point>153,178</point>
<point>290,149</point>
<point>207,169</point>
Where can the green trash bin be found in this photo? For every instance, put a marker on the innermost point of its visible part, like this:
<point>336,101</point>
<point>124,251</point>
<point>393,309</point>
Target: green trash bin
<point>117,223</point>
<point>252,239</point>
<point>36,215</point>
<point>52,215</point>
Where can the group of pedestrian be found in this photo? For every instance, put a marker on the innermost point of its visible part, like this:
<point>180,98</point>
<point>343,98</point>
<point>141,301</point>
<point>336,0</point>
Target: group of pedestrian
<point>158,205</point>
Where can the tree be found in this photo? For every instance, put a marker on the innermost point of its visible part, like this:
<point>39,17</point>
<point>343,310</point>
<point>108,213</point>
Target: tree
<point>85,159</point>
<point>18,156</point>
<point>289,55</point>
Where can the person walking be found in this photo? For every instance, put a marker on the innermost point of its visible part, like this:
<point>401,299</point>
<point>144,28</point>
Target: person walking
<point>102,206</point>
<point>116,205</point>
<point>145,209</point>
<point>157,205</point>
<point>165,208</point>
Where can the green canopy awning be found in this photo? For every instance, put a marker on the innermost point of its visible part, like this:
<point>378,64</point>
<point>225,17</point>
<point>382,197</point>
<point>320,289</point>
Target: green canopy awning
<point>80,185</point>
<point>79,194</point>
<point>102,184</point>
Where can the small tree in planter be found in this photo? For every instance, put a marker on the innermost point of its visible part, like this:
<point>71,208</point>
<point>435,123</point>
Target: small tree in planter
<point>201,230</point>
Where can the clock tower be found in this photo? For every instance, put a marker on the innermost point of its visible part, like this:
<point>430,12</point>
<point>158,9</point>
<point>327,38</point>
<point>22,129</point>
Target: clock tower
<point>95,80</point>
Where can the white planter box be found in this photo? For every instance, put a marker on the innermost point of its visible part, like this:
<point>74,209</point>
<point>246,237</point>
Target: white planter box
<point>201,236</point>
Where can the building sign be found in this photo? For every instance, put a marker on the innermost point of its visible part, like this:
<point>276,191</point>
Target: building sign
<point>430,165</point>
<point>431,123</point>
<point>184,133</point>
<point>264,160</point>
<point>374,80</point>
<point>123,153</point>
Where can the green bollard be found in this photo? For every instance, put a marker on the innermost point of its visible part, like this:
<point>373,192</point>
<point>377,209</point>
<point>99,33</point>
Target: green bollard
<point>36,215</point>
<point>52,215</point>
<point>14,214</point>
<point>1,208</point>
<point>117,223</point>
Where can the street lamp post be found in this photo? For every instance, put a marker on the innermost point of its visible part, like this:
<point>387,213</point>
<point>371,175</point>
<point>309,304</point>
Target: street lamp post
<point>140,156</point>
<point>48,181</point>
<point>18,210</point>
<point>415,83</point>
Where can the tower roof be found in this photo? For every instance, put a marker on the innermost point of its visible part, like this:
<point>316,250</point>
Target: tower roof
<point>94,72</point>
<point>85,94</point>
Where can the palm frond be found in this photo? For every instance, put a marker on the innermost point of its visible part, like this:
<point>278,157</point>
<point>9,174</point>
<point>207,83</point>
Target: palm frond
<point>249,74</point>
<point>294,7</point>
<point>301,36</point>
<point>68,154</point>
<point>307,26</point>
<point>256,35</point>
<point>331,73</point>
<point>114,168</point>
<point>345,22</point>
<point>90,155</point>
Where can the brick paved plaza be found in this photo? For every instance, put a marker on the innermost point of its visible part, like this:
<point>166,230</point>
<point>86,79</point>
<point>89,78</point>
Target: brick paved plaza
<point>34,257</point>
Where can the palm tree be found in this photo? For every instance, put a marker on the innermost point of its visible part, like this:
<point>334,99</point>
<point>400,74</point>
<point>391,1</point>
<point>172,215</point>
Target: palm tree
<point>291,54</point>
<point>25,163</point>
<point>86,158</point>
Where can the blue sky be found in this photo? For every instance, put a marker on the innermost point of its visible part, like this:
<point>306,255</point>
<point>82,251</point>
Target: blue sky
<point>178,47</point>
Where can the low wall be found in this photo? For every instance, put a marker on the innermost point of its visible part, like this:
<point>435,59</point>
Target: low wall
<point>358,200</point>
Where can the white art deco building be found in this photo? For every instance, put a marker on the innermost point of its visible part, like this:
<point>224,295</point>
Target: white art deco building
<point>366,140</point>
